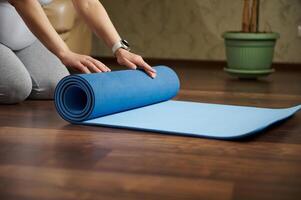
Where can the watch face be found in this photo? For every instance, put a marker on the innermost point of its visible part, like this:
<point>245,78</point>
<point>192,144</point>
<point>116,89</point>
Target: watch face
<point>124,42</point>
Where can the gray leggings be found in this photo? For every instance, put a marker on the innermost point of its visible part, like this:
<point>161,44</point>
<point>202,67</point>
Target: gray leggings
<point>31,72</point>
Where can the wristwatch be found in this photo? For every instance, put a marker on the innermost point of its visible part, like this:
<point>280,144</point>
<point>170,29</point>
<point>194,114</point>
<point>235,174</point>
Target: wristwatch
<point>121,44</point>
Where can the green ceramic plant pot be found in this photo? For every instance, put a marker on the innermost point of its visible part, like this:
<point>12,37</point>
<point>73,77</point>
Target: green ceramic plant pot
<point>249,55</point>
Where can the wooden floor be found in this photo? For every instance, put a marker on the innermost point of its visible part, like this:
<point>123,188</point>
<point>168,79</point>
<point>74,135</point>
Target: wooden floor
<point>43,157</point>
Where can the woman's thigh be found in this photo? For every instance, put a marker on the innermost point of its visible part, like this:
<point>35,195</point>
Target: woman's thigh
<point>15,81</point>
<point>45,69</point>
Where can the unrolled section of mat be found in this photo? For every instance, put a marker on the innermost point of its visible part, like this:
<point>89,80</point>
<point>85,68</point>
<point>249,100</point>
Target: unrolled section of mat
<point>131,99</point>
<point>197,119</point>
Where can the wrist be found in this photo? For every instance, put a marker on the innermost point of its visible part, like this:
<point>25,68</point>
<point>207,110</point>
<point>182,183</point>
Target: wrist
<point>61,54</point>
<point>119,52</point>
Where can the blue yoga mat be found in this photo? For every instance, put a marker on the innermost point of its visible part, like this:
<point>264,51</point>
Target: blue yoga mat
<point>131,99</point>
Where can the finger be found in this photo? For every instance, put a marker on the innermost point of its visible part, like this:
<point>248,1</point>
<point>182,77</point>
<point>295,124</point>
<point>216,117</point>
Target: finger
<point>83,69</point>
<point>147,67</point>
<point>90,65</point>
<point>103,65</point>
<point>139,60</point>
<point>133,66</point>
<point>100,65</point>
<point>129,64</point>
<point>151,74</point>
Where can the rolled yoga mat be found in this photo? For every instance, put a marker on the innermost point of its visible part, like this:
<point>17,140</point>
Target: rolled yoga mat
<point>131,99</point>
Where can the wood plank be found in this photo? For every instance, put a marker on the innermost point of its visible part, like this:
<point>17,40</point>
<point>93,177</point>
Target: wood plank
<point>40,182</point>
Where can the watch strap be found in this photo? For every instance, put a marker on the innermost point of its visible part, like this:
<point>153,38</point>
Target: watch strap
<point>119,45</point>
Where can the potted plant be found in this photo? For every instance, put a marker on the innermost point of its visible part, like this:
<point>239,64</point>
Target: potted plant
<point>250,52</point>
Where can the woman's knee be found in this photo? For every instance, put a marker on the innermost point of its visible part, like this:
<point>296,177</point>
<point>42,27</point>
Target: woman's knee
<point>15,91</point>
<point>44,87</point>
<point>15,81</point>
<point>45,68</point>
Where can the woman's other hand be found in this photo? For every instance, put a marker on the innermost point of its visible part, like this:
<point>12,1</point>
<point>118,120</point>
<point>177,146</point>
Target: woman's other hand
<point>82,63</point>
<point>133,61</point>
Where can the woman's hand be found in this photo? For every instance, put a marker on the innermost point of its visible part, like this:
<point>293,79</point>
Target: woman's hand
<point>36,19</point>
<point>133,61</point>
<point>97,18</point>
<point>82,63</point>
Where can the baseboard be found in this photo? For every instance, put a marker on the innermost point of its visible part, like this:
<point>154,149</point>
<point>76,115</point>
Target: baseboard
<point>197,63</point>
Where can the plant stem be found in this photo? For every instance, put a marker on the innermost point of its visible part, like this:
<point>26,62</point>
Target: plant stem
<point>254,17</point>
<point>258,15</point>
<point>246,17</point>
